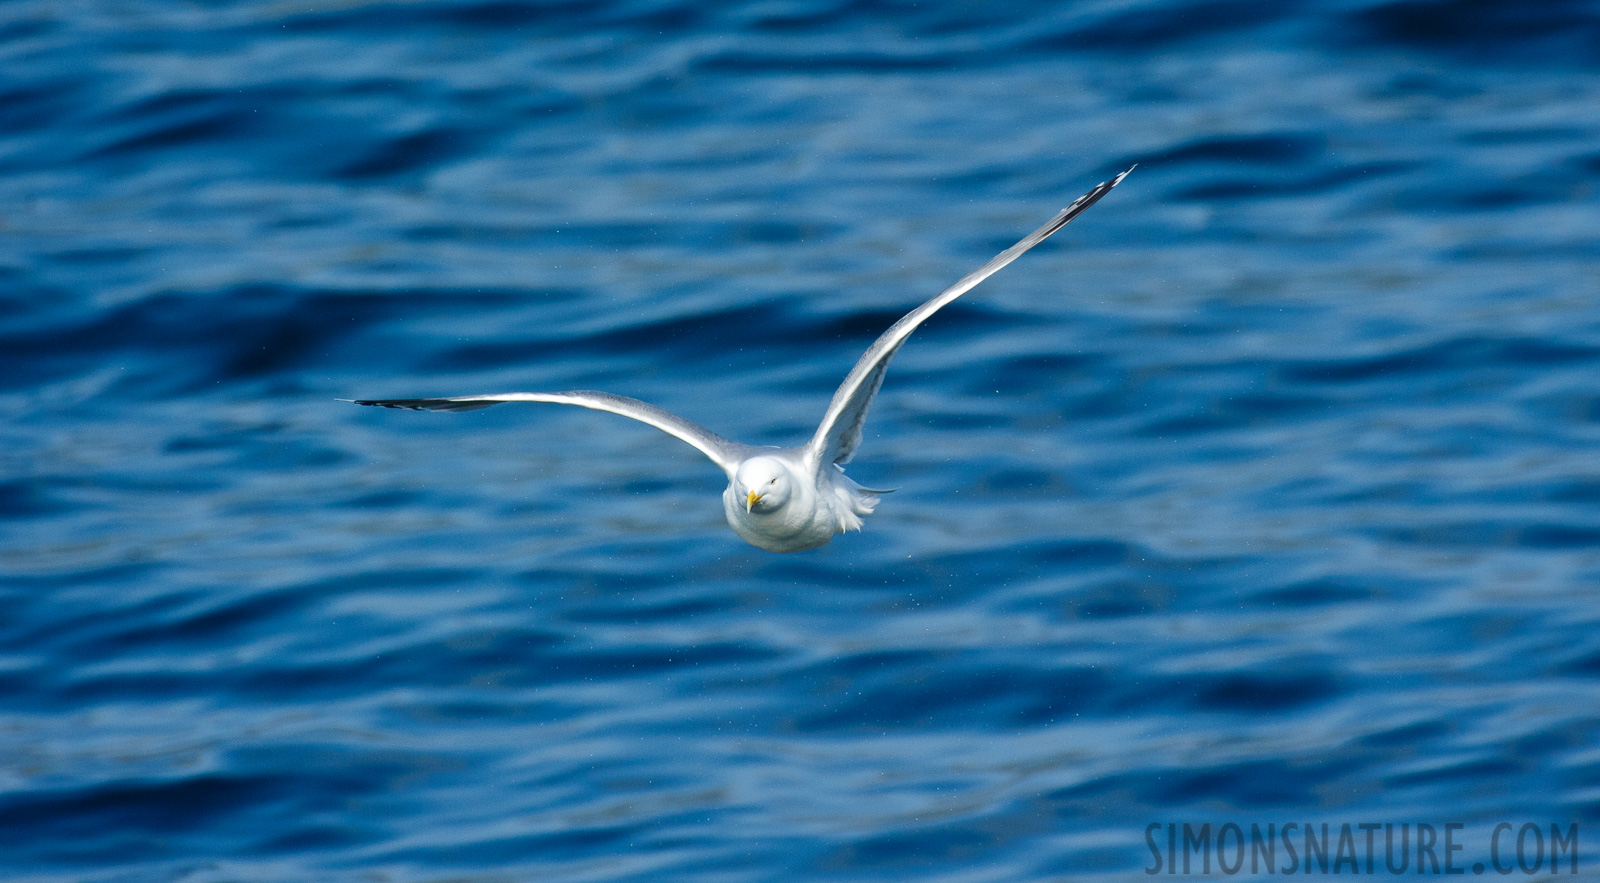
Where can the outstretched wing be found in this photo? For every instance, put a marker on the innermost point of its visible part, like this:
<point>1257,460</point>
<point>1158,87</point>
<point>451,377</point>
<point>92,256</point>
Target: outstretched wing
<point>840,433</point>
<point>725,453</point>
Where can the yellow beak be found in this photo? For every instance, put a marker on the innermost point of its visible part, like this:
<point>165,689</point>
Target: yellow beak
<point>751,499</point>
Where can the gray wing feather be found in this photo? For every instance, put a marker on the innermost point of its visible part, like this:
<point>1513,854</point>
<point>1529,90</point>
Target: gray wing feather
<point>840,433</point>
<point>725,453</point>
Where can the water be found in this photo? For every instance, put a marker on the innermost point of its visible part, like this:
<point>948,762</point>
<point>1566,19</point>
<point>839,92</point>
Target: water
<point>1266,492</point>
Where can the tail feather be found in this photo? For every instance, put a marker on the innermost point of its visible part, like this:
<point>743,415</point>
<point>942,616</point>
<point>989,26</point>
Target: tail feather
<point>857,501</point>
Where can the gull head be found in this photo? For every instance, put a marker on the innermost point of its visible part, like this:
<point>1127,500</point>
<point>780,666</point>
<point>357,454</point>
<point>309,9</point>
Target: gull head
<point>763,484</point>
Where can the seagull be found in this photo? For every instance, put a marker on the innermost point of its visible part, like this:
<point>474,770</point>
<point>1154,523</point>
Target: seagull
<point>787,499</point>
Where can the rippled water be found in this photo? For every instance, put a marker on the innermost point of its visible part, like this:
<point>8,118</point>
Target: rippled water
<point>1267,491</point>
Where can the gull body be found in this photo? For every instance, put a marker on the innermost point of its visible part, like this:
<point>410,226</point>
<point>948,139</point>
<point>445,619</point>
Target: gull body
<point>787,499</point>
<point>773,501</point>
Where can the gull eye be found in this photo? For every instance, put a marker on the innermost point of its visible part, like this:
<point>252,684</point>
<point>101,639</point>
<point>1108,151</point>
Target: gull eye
<point>774,481</point>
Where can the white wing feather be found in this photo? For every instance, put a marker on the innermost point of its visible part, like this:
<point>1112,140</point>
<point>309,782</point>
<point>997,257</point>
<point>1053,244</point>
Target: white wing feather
<point>840,433</point>
<point>725,453</point>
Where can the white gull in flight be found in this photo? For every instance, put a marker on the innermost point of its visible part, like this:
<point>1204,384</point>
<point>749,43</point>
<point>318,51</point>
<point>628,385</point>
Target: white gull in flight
<point>787,499</point>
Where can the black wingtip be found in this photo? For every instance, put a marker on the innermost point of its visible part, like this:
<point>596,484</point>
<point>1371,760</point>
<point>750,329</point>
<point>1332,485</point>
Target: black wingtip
<point>1105,187</point>
<point>1080,205</point>
<point>463,403</point>
<point>1118,179</point>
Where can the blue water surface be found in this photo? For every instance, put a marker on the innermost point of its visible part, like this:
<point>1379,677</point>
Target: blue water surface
<point>1268,491</point>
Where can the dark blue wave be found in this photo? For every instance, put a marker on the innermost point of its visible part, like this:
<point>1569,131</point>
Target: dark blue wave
<point>1500,30</point>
